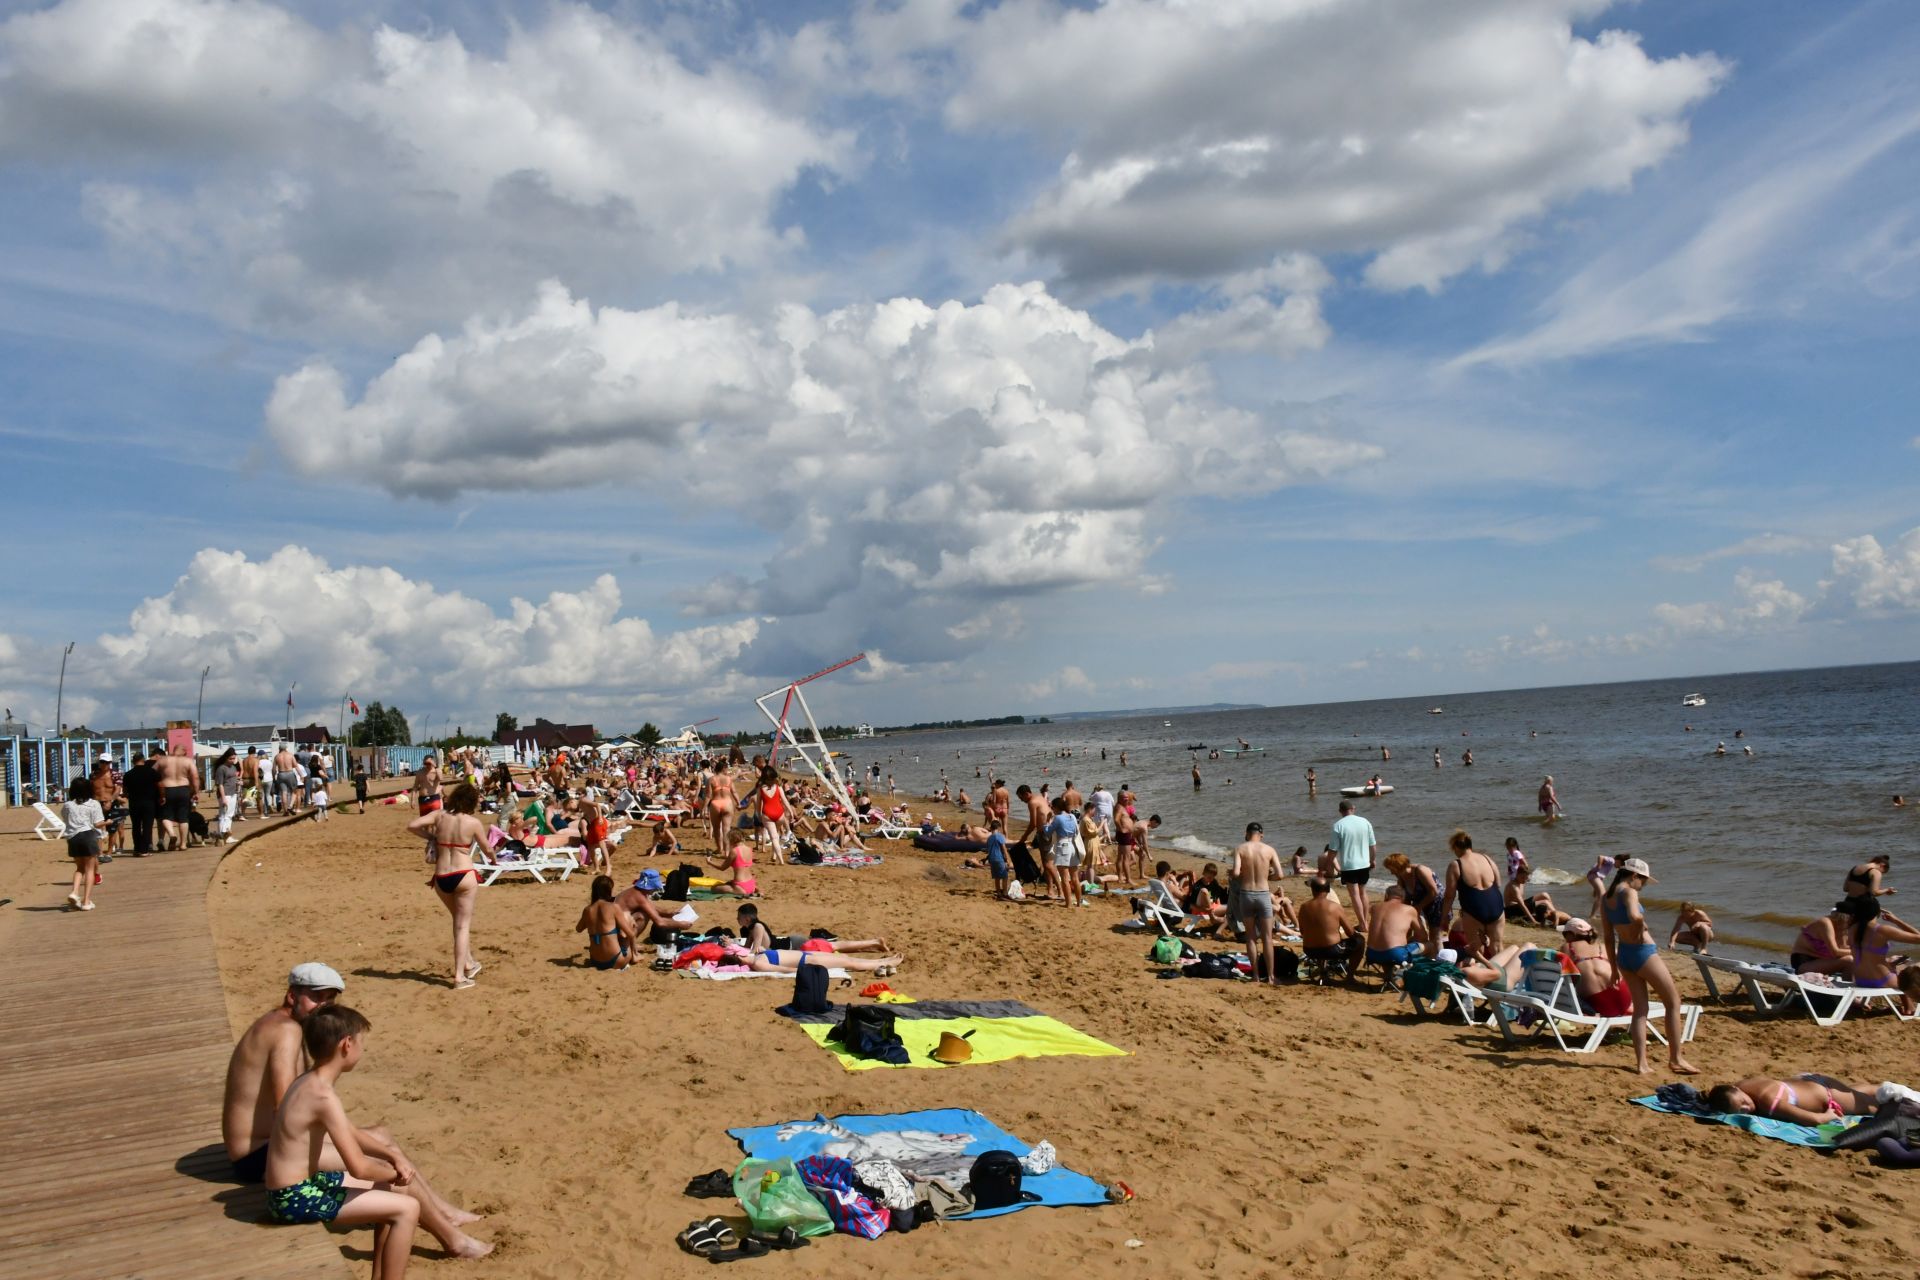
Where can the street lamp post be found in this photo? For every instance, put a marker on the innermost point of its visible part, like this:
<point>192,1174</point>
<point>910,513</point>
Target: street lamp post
<point>60,697</point>
<point>201,705</point>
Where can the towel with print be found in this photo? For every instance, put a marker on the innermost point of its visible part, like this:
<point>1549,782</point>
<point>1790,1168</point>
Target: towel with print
<point>997,1030</point>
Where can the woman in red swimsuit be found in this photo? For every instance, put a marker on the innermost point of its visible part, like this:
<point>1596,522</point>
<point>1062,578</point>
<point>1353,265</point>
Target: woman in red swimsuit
<point>773,810</point>
<point>456,832</point>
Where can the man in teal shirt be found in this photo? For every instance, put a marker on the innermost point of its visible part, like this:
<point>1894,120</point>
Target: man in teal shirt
<point>1353,840</point>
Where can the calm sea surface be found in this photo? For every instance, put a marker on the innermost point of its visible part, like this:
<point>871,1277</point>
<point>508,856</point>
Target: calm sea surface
<point>1762,841</point>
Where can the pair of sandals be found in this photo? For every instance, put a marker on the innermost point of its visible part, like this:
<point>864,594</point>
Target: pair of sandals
<point>715,1241</point>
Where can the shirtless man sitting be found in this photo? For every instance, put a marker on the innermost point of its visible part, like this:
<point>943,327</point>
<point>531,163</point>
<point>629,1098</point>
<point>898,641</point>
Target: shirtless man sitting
<point>1324,931</point>
<point>1395,932</point>
<point>269,1057</point>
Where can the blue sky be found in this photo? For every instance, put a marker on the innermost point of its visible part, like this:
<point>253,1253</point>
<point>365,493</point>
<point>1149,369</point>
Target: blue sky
<point>622,363</point>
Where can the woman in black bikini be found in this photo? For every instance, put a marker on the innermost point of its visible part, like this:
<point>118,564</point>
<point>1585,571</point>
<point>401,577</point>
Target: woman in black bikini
<point>455,832</point>
<point>611,940</point>
<point>1864,880</point>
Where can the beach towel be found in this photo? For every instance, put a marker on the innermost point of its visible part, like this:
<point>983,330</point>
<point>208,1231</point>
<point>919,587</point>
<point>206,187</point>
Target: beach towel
<point>1801,1135</point>
<point>998,1030</point>
<point>923,1144</point>
<point>852,861</point>
<point>725,973</point>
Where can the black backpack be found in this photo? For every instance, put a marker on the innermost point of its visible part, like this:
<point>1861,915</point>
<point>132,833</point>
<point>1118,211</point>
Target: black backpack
<point>867,1031</point>
<point>810,989</point>
<point>996,1181</point>
<point>805,853</point>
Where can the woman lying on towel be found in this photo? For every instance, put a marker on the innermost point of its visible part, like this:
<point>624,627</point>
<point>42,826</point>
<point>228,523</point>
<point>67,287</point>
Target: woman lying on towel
<point>781,960</point>
<point>611,941</point>
<point>755,936</point>
<point>1805,1099</point>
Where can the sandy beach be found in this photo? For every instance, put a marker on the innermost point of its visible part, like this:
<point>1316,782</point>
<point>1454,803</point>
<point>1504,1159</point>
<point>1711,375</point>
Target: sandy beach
<point>1304,1131</point>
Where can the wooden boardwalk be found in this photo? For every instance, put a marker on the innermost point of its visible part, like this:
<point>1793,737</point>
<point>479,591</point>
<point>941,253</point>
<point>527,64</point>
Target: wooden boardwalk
<point>113,1050</point>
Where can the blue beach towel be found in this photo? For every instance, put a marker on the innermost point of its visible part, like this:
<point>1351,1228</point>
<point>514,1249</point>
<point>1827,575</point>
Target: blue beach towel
<point>1800,1135</point>
<point>935,1144</point>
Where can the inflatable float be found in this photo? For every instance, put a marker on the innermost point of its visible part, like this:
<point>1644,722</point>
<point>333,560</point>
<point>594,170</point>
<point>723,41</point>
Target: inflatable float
<point>1366,791</point>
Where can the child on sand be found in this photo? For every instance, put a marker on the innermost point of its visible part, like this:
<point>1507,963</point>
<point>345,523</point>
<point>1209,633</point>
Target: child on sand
<point>367,1194</point>
<point>997,857</point>
<point>1692,927</point>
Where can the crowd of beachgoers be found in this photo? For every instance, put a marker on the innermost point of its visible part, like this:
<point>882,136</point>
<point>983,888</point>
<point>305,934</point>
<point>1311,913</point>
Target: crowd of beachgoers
<point>716,818</point>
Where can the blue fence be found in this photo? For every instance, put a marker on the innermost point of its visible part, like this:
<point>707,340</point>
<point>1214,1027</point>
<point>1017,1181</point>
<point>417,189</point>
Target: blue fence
<point>44,767</point>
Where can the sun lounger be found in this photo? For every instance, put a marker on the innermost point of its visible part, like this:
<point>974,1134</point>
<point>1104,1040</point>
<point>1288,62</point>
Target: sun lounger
<point>49,824</point>
<point>1778,993</point>
<point>1550,1003</point>
<point>550,861</point>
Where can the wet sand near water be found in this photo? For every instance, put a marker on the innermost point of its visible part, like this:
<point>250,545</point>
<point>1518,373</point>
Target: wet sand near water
<point>1292,1132</point>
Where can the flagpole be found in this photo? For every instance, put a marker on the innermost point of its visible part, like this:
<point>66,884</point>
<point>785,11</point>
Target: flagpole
<point>290,689</point>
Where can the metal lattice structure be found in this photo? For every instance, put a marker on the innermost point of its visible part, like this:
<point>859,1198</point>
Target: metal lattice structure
<point>813,750</point>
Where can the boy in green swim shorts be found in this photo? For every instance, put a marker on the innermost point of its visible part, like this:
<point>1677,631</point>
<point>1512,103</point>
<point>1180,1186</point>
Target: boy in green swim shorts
<point>378,1188</point>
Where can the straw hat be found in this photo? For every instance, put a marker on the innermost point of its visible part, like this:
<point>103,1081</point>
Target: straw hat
<point>953,1050</point>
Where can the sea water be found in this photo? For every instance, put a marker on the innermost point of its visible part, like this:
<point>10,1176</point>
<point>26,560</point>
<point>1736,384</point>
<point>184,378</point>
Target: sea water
<point>1762,841</point>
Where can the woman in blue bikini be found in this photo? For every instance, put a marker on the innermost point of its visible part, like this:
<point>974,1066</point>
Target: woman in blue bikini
<point>1874,931</point>
<point>1634,954</point>
<point>610,930</point>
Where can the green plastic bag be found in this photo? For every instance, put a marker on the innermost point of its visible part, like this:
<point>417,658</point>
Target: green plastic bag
<point>774,1197</point>
<point>1165,950</point>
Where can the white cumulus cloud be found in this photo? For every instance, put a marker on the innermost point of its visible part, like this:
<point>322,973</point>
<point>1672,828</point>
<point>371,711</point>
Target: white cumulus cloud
<point>348,181</point>
<point>370,630</point>
<point>1876,579</point>
<point>1205,138</point>
<point>897,449</point>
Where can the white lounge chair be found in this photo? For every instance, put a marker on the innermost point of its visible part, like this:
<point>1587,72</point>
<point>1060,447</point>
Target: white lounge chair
<point>537,861</point>
<point>1777,993</point>
<point>1551,1004</point>
<point>49,824</point>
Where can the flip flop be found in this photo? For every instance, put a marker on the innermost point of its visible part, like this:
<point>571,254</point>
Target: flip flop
<point>748,1248</point>
<point>711,1185</point>
<point>787,1239</point>
<point>699,1238</point>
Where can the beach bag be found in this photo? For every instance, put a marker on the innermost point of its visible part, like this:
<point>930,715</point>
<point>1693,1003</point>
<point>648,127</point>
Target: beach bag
<point>1024,867</point>
<point>780,1200</point>
<point>867,1032</point>
<point>1212,965</point>
<point>810,989</point>
<point>805,852</point>
<point>1165,950</point>
<point>1286,962</point>
<point>676,885</point>
<point>995,1181</point>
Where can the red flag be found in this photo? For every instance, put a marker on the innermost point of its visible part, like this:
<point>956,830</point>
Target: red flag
<point>289,699</point>
<point>353,706</point>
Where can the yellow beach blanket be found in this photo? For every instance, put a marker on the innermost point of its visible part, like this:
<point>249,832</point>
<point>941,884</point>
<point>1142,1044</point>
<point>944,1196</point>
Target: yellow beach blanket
<point>1002,1029</point>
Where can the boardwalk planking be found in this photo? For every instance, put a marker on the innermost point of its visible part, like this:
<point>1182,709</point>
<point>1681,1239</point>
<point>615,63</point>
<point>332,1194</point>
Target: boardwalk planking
<point>113,1047</point>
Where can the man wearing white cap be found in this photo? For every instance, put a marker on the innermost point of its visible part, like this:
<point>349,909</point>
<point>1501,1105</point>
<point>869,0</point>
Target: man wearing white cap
<point>265,1062</point>
<point>269,1057</point>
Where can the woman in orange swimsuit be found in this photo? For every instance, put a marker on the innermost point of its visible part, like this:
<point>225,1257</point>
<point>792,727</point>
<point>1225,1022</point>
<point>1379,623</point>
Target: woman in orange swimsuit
<point>722,803</point>
<point>456,832</point>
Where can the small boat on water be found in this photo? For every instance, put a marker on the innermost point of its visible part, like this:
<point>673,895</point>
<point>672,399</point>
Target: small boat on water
<point>1166,724</point>
<point>1241,751</point>
<point>1436,711</point>
<point>1693,700</point>
<point>1381,790</point>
